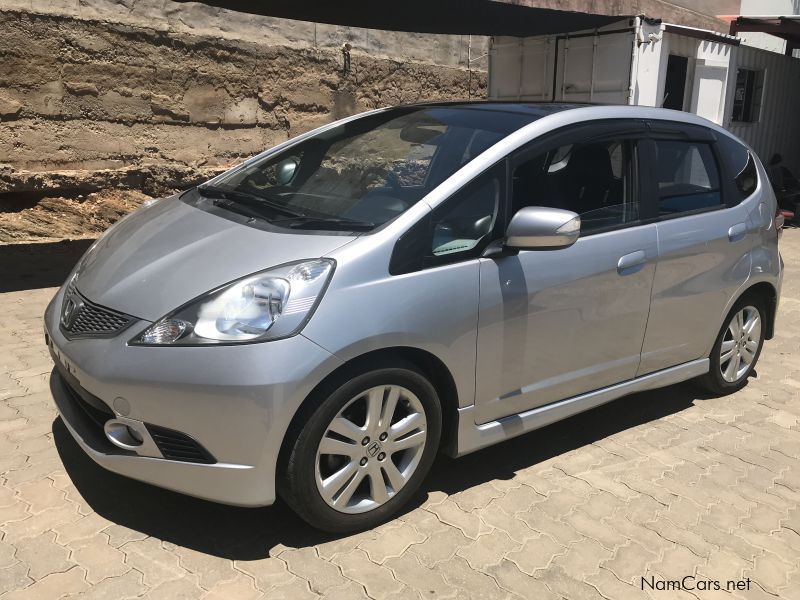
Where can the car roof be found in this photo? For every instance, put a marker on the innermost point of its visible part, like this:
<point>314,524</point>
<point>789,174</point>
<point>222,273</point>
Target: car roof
<point>587,110</point>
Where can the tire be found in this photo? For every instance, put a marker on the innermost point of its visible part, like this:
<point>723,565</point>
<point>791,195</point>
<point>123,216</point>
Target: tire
<point>351,471</point>
<point>722,379</point>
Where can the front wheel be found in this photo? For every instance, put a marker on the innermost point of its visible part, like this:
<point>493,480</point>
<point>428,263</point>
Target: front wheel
<point>737,348</point>
<point>364,451</point>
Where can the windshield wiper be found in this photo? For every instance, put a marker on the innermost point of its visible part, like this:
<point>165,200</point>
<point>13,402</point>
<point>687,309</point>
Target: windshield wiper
<point>343,222</point>
<point>246,198</point>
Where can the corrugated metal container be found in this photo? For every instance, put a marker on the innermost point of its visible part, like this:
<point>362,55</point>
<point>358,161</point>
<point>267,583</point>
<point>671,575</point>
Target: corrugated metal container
<point>584,66</point>
<point>778,125</point>
<point>628,63</point>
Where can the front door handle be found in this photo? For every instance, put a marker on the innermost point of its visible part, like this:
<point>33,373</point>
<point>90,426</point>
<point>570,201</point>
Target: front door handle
<point>626,264</point>
<point>736,232</point>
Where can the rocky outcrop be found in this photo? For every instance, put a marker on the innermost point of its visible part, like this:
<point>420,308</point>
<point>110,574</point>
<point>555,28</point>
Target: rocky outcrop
<point>151,108</point>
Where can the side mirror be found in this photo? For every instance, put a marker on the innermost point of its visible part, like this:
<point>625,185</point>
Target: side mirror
<point>542,228</point>
<point>285,170</point>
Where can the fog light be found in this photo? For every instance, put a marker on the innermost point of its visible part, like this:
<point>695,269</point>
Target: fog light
<point>122,436</point>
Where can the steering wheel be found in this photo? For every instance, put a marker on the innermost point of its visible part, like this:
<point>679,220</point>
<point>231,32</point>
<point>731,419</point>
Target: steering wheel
<point>387,175</point>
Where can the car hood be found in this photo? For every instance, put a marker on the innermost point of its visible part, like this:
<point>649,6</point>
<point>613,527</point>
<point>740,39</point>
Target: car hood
<point>164,255</point>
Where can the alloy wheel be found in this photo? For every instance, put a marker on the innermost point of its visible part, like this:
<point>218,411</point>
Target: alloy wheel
<point>740,344</point>
<point>371,449</point>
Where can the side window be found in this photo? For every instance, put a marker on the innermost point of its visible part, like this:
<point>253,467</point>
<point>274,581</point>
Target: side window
<point>687,177</point>
<point>459,229</point>
<point>593,180</point>
<point>741,165</point>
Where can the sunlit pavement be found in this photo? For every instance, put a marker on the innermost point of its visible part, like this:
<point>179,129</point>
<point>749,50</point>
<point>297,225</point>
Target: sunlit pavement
<point>661,485</point>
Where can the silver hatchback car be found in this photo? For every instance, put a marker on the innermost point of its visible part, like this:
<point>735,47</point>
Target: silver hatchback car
<point>322,320</point>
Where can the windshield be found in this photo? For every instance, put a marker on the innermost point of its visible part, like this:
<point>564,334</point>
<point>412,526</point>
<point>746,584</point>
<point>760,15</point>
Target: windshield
<point>364,173</point>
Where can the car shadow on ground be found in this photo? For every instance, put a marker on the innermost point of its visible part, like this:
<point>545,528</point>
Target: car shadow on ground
<point>250,533</point>
<point>38,265</point>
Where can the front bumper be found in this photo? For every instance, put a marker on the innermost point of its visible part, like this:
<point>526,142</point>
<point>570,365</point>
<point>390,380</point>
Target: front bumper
<point>235,401</point>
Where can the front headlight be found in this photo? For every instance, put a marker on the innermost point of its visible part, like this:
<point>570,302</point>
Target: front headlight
<point>269,305</point>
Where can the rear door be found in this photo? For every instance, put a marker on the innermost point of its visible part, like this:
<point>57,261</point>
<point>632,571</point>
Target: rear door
<point>558,323</point>
<point>703,244</point>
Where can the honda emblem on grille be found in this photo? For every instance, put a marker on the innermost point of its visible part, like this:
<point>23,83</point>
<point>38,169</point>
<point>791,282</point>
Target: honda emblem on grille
<point>71,309</point>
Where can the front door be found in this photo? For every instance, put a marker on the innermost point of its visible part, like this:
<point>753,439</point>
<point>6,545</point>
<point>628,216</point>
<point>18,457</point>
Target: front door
<point>560,323</point>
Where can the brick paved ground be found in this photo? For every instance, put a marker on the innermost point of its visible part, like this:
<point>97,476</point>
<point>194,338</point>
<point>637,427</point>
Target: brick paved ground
<point>661,484</point>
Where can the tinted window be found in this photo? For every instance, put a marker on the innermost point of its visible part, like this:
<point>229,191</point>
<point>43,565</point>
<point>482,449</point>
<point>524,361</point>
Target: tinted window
<point>687,177</point>
<point>747,95</point>
<point>371,169</point>
<point>459,229</point>
<point>741,165</point>
<point>592,180</point>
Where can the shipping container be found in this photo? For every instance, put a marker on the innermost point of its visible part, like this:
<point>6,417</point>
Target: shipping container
<point>752,92</point>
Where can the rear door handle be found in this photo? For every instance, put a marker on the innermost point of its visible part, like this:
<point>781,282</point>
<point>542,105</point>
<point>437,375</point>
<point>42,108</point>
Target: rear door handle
<point>736,232</point>
<point>635,259</point>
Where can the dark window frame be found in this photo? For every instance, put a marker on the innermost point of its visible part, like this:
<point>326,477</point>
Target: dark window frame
<point>753,86</point>
<point>603,130</point>
<point>412,250</point>
<point>689,133</point>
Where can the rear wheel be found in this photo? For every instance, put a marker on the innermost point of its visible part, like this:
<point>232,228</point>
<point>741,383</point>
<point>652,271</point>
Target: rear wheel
<point>737,347</point>
<point>364,451</point>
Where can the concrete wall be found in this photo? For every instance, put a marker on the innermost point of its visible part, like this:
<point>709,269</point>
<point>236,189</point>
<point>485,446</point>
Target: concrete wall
<point>93,85</point>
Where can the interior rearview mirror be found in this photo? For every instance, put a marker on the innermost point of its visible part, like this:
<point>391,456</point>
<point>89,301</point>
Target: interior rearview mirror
<point>286,169</point>
<point>542,228</point>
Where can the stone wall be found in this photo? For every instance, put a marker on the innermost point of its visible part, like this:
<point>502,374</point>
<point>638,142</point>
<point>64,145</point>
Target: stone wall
<point>103,98</point>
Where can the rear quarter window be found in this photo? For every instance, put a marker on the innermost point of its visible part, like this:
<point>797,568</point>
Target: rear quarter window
<point>741,166</point>
<point>687,176</point>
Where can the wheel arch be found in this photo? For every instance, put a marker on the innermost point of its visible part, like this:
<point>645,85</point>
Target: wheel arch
<point>769,295</point>
<point>429,364</point>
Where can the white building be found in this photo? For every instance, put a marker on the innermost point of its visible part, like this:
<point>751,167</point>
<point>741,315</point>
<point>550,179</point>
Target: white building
<point>749,90</point>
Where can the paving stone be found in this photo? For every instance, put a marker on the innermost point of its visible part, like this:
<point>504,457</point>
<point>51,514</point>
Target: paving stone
<point>427,582</point>
<point>119,535</point>
<point>536,553</point>
<point>241,588</point>
<point>629,562</point>
<point>349,591</point>
<point>470,582</point>
<point>469,523</point>
<point>14,577</point>
<point>153,561</point>
<point>306,563</point>
<point>208,569</point>
<point>267,574</point>
<point>344,544</point>
<point>40,495</point>
<point>84,527</point>
<point>594,529</point>
<point>378,580</point>
<point>488,549</point>
<point>123,587</point>
<point>510,578</point>
<point>98,559</point>
<point>770,571</point>
<point>43,555</point>
<point>543,523</point>
<point>582,559</point>
<point>441,546</point>
<point>561,583</point>
<point>392,541</point>
<point>712,489</point>
<point>611,587</point>
<point>55,585</point>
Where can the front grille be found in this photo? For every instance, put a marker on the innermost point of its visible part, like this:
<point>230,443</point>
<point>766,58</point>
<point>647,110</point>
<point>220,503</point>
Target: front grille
<point>94,408</point>
<point>175,445</point>
<point>86,319</point>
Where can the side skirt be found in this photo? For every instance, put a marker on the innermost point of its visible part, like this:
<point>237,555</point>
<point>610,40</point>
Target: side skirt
<point>473,437</point>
